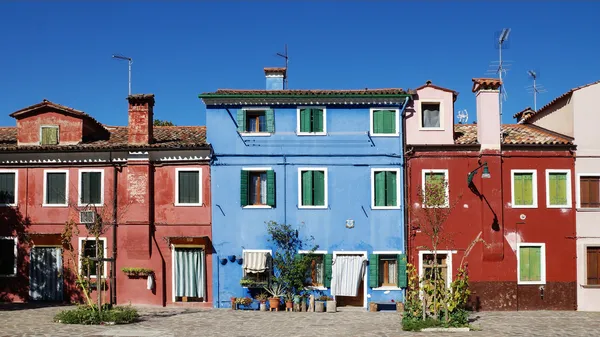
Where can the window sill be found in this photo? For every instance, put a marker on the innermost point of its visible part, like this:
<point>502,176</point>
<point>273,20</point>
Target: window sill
<point>385,207</point>
<point>55,205</point>
<point>590,286</point>
<point>579,209</point>
<point>8,205</point>
<point>559,206</point>
<point>526,283</point>
<point>316,288</point>
<point>384,134</point>
<point>258,206</point>
<point>524,206</point>
<point>187,205</point>
<point>431,129</point>
<point>311,133</point>
<point>387,288</point>
<point>313,207</point>
<point>90,205</point>
<point>255,134</point>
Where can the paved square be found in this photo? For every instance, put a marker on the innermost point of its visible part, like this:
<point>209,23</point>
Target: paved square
<point>23,320</point>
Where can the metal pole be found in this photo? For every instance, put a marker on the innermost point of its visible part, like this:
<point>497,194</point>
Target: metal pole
<point>130,62</point>
<point>534,95</point>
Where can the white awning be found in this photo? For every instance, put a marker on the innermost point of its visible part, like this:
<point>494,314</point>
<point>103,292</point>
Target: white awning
<point>255,262</point>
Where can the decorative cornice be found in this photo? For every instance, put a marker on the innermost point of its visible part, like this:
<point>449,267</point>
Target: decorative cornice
<point>274,101</point>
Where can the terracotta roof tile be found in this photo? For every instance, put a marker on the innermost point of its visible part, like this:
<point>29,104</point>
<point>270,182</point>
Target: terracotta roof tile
<point>46,104</point>
<point>486,83</point>
<point>514,134</point>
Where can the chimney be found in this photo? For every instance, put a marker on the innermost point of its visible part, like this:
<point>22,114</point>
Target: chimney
<point>275,78</point>
<point>141,118</point>
<point>487,98</point>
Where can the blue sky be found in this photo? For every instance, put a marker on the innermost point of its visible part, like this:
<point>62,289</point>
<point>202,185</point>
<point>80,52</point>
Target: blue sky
<point>62,51</point>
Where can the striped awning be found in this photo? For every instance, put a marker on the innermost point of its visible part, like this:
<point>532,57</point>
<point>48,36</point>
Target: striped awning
<point>255,262</point>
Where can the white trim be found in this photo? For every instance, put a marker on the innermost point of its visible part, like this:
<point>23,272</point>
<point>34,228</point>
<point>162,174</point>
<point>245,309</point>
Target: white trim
<point>323,133</point>
<point>448,263</point>
<point>197,169</point>
<point>373,134</point>
<point>398,177</point>
<point>446,177</point>
<point>173,272</point>
<point>16,203</point>
<point>569,203</point>
<point>257,134</point>
<point>420,114</point>
<point>387,252</point>
<point>87,238</point>
<point>321,252</point>
<point>578,189</point>
<point>16,240</point>
<point>365,274</point>
<point>542,262</point>
<point>101,187</point>
<point>326,197</point>
<point>533,188</point>
<point>53,127</point>
<point>44,201</point>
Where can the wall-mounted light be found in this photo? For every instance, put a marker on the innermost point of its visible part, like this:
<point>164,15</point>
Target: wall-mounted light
<point>485,174</point>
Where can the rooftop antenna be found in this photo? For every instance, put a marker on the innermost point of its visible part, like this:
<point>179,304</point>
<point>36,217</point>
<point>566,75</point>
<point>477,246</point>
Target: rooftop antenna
<point>535,89</point>
<point>463,116</point>
<point>130,61</point>
<point>501,66</point>
<point>285,56</point>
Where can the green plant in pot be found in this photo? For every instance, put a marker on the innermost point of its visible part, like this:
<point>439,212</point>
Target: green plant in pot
<point>262,299</point>
<point>289,300</point>
<point>276,291</point>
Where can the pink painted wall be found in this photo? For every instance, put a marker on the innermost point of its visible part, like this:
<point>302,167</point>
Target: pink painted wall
<point>415,134</point>
<point>488,119</point>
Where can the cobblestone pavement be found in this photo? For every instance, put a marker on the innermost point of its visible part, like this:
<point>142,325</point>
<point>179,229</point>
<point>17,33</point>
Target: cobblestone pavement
<point>23,320</point>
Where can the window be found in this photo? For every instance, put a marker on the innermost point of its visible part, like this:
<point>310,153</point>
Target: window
<point>312,187</point>
<point>531,263</point>
<point>56,187</point>
<point>8,187</point>
<point>589,191</point>
<point>558,188</point>
<point>87,249</point>
<point>257,267</point>
<point>443,265</point>
<point>593,265</point>
<point>257,186</point>
<point>311,121</point>
<point>318,273</point>
<point>524,188</point>
<point>8,256</point>
<point>256,121</point>
<point>435,188</point>
<point>188,187</point>
<point>49,135</point>
<point>384,122</point>
<point>387,269</point>
<point>91,186</point>
<point>431,115</point>
<point>385,188</point>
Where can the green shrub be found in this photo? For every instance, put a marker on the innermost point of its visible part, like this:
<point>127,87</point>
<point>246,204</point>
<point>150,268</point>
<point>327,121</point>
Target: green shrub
<point>414,324</point>
<point>89,315</point>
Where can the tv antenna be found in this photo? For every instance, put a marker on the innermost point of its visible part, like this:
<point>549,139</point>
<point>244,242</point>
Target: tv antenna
<point>130,61</point>
<point>501,66</point>
<point>463,116</point>
<point>285,56</point>
<point>535,88</point>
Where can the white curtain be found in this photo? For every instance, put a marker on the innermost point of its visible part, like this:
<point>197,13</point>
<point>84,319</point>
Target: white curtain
<point>347,273</point>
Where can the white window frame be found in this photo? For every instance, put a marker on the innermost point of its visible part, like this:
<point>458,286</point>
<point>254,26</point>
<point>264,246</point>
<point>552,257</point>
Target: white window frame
<point>569,203</point>
<point>324,133</point>
<point>448,254</point>
<point>57,133</point>
<point>446,178</point>
<point>44,200</point>
<point>101,187</point>
<point>578,191</point>
<point>534,187</point>
<point>258,169</point>
<point>16,251</point>
<point>257,134</point>
<point>542,262</point>
<point>398,177</point>
<point>420,114</point>
<point>387,252</point>
<point>256,251</point>
<point>16,203</point>
<point>316,252</point>
<point>187,169</point>
<point>373,134</point>
<point>105,253</point>
<point>326,182</point>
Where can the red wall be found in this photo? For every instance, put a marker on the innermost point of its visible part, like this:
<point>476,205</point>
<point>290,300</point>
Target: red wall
<point>70,128</point>
<point>493,267</point>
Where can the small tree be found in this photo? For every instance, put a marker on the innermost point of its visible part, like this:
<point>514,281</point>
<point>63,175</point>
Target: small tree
<point>158,122</point>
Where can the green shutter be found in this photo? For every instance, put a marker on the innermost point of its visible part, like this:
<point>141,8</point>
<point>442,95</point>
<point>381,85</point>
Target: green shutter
<point>389,121</point>
<point>557,183</point>
<point>380,188</point>
<point>378,121</point>
<point>319,188</point>
<point>241,120</point>
<point>390,188</point>
<point>304,120</point>
<point>271,188</point>
<point>530,259</point>
<point>328,262</point>
<point>7,188</point>
<point>244,188</point>
<point>524,263</point>
<point>528,189</point>
<point>518,189</point>
<point>270,117</point>
<point>189,189</point>
<point>49,136</point>
<point>55,188</point>
<point>91,188</point>
<point>307,188</point>
<point>318,122</point>
<point>373,270</point>
<point>402,277</point>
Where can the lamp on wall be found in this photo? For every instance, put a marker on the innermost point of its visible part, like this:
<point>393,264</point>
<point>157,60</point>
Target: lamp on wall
<point>485,174</point>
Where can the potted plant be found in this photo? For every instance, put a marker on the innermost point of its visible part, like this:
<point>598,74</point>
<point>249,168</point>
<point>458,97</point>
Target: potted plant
<point>331,305</point>
<point>320,303</point>
<point>289,301</point>
<point>233,303</point>
<point>262,299</point>
<point>245,301</point>
<point>276,291</point>
<point>250,283</point>
<point>133,272</point>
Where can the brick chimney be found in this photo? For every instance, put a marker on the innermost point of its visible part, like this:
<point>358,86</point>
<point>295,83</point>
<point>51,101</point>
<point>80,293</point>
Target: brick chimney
<point>141,118</point>
<point>487,98</point>
<point>275,78</point>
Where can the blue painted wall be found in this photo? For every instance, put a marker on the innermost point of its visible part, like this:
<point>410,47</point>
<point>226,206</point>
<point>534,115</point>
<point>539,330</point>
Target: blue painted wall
<point>349,154</point>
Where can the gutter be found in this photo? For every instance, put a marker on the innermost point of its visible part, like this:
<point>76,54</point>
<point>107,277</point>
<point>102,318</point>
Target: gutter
<point>272,96</point>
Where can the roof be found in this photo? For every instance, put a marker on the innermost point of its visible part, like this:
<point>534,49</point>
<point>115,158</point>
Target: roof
<point>172,137</point>
<point>46,104</point>
<point>554,101</point>
<point>431,85</point>
<point>514,134</point>
<point>311,93</point>
<point>486,84</point>
<point>524,112</point>
<point>278,71</point>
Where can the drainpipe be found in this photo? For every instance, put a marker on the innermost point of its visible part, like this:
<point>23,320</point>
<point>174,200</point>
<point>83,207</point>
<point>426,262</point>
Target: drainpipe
<point>284,189</point>
<point>405,182</point>
<point>113,268</point>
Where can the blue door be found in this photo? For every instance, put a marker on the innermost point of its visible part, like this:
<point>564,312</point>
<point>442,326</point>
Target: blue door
<point>46,274</point>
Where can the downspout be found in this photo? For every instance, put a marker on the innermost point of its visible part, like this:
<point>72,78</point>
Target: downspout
<point>405,181</point>
<point>284,189</point>
<point>113,268</point>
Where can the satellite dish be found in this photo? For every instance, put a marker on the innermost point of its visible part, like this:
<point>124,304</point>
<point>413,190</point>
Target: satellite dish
<point>463,116</point>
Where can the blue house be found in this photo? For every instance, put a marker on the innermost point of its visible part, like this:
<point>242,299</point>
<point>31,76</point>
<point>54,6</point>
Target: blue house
<point>327,161</point>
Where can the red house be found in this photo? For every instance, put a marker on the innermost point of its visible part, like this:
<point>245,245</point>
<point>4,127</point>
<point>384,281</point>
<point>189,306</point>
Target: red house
<point>515,187</point>
<point>147,186</point>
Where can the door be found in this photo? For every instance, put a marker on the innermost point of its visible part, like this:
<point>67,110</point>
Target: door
<point>189,274</point>
<point>349,271</point>
<point>353,301</point>
<point>46,274</point>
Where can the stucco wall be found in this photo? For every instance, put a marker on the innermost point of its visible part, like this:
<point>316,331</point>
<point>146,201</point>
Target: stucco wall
<point>70,128</point>
<point>417,135</point>
<point>558,118</point>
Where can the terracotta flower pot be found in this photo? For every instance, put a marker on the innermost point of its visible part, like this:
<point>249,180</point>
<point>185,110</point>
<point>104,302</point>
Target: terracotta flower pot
<point>274,303</point>
<point>289,305</point>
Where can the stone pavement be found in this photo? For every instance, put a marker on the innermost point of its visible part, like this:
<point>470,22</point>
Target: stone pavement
<point>23,320</point>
